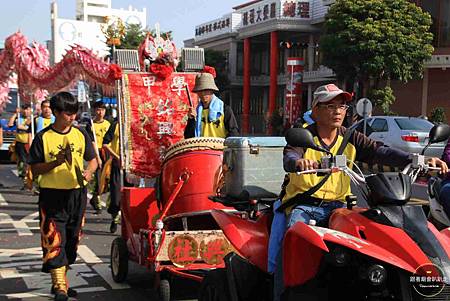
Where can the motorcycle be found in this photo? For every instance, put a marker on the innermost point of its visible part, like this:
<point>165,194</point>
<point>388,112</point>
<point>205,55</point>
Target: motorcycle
<point>388,251</point>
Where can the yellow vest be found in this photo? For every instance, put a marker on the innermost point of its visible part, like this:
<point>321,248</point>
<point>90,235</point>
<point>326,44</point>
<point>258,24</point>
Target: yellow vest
<point>100,130</point>
<point>63,176</point>
<point>22,136</point>
<point>213,129</point>
<point>336,188</point>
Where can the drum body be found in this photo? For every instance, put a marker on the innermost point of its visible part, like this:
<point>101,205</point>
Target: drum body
<point>199,161</point>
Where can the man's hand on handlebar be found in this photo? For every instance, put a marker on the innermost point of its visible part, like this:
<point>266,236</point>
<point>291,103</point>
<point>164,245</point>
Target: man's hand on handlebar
<point>436,162</point>
<point>306,164</point>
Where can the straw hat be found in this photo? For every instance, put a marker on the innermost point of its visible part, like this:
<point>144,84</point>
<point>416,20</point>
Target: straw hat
<point>205,81</point>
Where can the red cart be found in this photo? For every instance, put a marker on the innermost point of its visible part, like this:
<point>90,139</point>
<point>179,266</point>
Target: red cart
<point>169,229</point>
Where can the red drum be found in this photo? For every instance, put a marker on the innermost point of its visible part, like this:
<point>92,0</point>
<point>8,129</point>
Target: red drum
<point>199,160</point>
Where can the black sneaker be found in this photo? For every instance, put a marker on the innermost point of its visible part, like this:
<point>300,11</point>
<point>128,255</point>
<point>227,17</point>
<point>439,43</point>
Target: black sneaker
<point>113,227</point>
<point>94,201</point>
<point>61,296</point>
<point>70,292</point>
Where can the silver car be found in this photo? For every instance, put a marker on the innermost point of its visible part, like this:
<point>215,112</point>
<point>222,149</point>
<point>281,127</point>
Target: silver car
<point>406,133</point>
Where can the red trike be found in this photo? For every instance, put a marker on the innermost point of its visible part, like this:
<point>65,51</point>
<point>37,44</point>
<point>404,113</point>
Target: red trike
<point>169,229</point>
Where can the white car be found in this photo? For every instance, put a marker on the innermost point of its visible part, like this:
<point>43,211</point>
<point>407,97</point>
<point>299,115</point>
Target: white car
<point>406,133</point>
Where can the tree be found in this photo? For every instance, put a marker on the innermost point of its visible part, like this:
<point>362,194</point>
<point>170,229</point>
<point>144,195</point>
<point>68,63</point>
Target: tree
<point>438,115</point>
<point>375,41</point>
<point>135,34</point>
<point>218,60</point>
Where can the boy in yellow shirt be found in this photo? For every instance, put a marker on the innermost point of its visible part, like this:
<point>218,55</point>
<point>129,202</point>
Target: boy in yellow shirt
<point>57,155</point>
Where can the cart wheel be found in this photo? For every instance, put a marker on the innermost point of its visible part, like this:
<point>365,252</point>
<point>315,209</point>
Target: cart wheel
<point>164,290</point>
<point>119,259</point>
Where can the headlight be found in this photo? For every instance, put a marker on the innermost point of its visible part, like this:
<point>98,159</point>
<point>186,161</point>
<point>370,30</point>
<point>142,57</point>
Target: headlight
<point>376,274</point>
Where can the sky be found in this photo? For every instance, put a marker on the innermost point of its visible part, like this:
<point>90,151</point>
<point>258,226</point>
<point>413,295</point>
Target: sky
<point>32,17</point>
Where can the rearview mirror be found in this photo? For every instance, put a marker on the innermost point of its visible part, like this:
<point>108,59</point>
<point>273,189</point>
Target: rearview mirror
<point>300,137</point>
<point>439,133</point>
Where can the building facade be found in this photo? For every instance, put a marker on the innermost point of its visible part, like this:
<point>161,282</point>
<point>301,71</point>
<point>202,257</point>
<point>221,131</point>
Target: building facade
<point>421,97</point>
<point>258,37</point>
<point>85,30</point>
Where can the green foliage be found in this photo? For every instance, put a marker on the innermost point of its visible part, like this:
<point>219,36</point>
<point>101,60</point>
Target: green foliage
<point>383,98</point>
<point>135,34</point>
<point>376,39</point>
<point>438,115</point>
<point>218,60</point>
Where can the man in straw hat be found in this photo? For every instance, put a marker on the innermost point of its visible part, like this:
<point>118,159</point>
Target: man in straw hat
<point>212,118</point>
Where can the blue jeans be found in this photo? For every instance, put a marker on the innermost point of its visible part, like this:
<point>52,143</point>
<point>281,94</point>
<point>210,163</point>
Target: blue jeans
<point>444,196</point>
<point>301,213</point>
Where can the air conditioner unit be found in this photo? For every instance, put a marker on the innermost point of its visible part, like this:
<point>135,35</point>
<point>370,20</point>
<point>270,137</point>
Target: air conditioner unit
<point>127,59</point>
<point>192,59</point>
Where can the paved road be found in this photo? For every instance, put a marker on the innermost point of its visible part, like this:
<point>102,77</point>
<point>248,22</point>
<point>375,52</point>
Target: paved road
<point>20,255</point>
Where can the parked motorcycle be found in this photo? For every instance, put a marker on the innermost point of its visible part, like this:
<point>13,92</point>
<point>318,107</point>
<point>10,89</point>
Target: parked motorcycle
<point>388,251</point>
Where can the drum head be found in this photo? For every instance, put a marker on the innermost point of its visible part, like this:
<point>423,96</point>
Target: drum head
<point>193,144</point>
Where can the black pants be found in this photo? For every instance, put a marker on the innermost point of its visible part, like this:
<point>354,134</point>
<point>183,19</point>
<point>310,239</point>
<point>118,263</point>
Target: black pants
<point>22,155</point>
<point>61,215</point>
<point>114,189</point>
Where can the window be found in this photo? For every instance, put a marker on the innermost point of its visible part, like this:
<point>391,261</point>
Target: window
<point>379,125</point>
<point>440,14</point>
<point>444,40</point>
<point>413,124</point>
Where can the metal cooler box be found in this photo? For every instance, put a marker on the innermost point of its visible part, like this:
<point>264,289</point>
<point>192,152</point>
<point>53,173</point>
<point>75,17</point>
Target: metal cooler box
<point>254,165</point>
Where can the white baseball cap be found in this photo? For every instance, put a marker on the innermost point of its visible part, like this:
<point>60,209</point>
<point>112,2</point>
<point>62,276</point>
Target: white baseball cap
<point>326,93</point>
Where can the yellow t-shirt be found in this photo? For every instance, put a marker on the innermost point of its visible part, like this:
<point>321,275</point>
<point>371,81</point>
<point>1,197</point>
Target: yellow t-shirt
<point>115,143</point>
<point>213,129</point>
<point>48,143</point>
<point>100,130</point>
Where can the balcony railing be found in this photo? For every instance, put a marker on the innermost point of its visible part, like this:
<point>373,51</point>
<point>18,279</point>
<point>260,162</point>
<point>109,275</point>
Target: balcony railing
<point>438,61</point>
<point>327,2</point>
<point>317,75</point>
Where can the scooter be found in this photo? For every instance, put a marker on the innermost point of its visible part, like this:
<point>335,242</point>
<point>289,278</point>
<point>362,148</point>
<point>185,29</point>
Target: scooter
<point>437,214</point>
<point>388,251</point>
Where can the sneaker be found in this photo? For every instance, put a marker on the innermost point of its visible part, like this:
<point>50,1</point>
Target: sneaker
<point>61,296</point>
<point>94,201</point>
<point>113,227</point>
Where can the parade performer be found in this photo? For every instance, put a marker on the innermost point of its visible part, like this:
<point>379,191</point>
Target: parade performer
<point>23,132</point>
<point>310,196</point>
<point>212,118</point>
<point>57,155</point>
<point>101,126</point>
<point>111,142</point>
<point>46,118</point>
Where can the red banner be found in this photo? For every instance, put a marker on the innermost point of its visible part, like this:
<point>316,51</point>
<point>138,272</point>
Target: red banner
<point>293,103</point>
<point>155,118</point>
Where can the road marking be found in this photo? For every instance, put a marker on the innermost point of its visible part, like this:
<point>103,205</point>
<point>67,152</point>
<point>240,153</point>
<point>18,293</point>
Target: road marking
<point>34,294</point>
<point>15,172</point>
<point>3,201</point>
<point>17,264</point>
<point>87,255</point>
<point>21,226</point>
<point>104,271</point>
